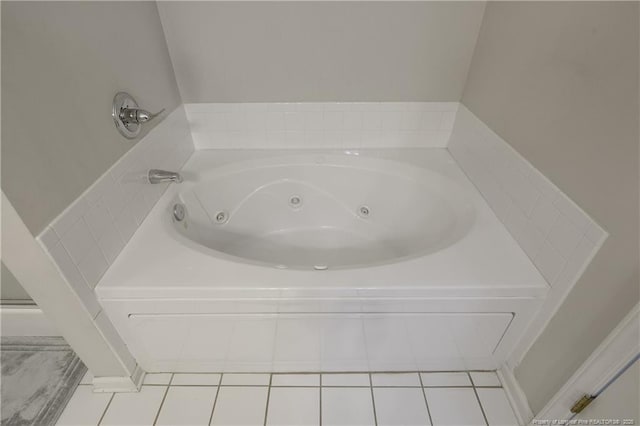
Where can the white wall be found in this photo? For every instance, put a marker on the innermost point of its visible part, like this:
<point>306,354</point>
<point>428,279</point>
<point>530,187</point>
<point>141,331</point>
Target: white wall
<point>559,82</point>
<point>10,289</point>
<point>320,51</point>
<point>62,63</point>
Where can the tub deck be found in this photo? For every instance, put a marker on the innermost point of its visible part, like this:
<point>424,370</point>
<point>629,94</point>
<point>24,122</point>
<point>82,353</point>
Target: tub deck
<point>486,263</point>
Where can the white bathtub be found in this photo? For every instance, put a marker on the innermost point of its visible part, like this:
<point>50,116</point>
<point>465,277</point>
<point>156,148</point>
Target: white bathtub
<point>321,261</point>
<point>323,211</point>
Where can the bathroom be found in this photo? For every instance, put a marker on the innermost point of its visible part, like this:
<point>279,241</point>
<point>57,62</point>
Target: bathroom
<point>322,212</point>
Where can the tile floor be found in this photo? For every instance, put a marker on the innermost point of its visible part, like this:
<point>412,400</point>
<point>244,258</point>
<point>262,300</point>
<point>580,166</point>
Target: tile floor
<point>457,399</point>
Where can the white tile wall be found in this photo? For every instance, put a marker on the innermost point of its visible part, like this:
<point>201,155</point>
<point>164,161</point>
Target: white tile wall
<point>321,124</point>
<point>88,236</point>
<point>556,234</point>
<point>543,220</point>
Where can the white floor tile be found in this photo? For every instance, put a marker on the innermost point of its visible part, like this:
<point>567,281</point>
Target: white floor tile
<point>240,406</point>
<point>347,406</point>
<point>245,379</point>
<point>295,380</point>
<point>135,408</point>
<point>454,407</point>
<point>347,379</point>
<point>195,379</point>
<point>496,407</point>
<point>400,406</point>
<point>445,379</point>
<point>84,408</point>
<point>294,406</point>
<point>485,379</point>
<point>395,379</point>
<point>157,379</point>
<point>187,405</point>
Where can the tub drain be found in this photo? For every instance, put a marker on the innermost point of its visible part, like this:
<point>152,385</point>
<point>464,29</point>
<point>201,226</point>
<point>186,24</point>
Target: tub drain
<point>320,267</point>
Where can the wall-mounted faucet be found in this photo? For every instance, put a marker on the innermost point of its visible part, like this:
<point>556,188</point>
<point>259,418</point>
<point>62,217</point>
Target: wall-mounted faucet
<point>127,116</point>
<point>161,176</point>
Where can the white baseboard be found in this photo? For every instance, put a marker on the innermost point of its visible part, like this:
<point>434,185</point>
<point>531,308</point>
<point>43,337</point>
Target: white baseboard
<point>25,320</point>
<point>618,349</point>
<point>516,395</point>
<point>120,384</point>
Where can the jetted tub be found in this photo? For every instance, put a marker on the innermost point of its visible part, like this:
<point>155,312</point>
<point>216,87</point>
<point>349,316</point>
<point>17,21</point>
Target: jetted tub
<point>321,261</point>
<point>323,211</point>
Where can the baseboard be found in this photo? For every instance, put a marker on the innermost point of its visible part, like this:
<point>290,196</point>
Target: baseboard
<point>617,350</point>
<point>25,320</point>
<point>120,384</point>
<point>516,395</point>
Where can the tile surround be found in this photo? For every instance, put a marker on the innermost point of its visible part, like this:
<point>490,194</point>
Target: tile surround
<point>353,402</point>
<point>87,237</point>
<point>542,219</point>
<point>321,124</point>
<point>556,234</point>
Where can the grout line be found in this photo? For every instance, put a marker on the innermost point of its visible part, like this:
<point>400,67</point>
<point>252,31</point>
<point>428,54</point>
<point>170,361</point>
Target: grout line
<point>323,386</point>
<point>320,405</point>
<point>163,398</point>
<point>244,386</point>
<point>424,394</point>
<point>251,373</point>
<point>106,408</point>
<point>475,392</point>
<point>373,401</point>
<point>266,409</point>
<point>215,400</point>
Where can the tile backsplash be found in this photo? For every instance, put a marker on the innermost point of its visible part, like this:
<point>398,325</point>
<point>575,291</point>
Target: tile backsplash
<point>321,124</point>
<point>556,234</point>
<point>88,236</point>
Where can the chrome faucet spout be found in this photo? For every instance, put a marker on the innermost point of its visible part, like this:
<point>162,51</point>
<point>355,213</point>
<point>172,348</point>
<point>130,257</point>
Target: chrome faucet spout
<point>161,176</point>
